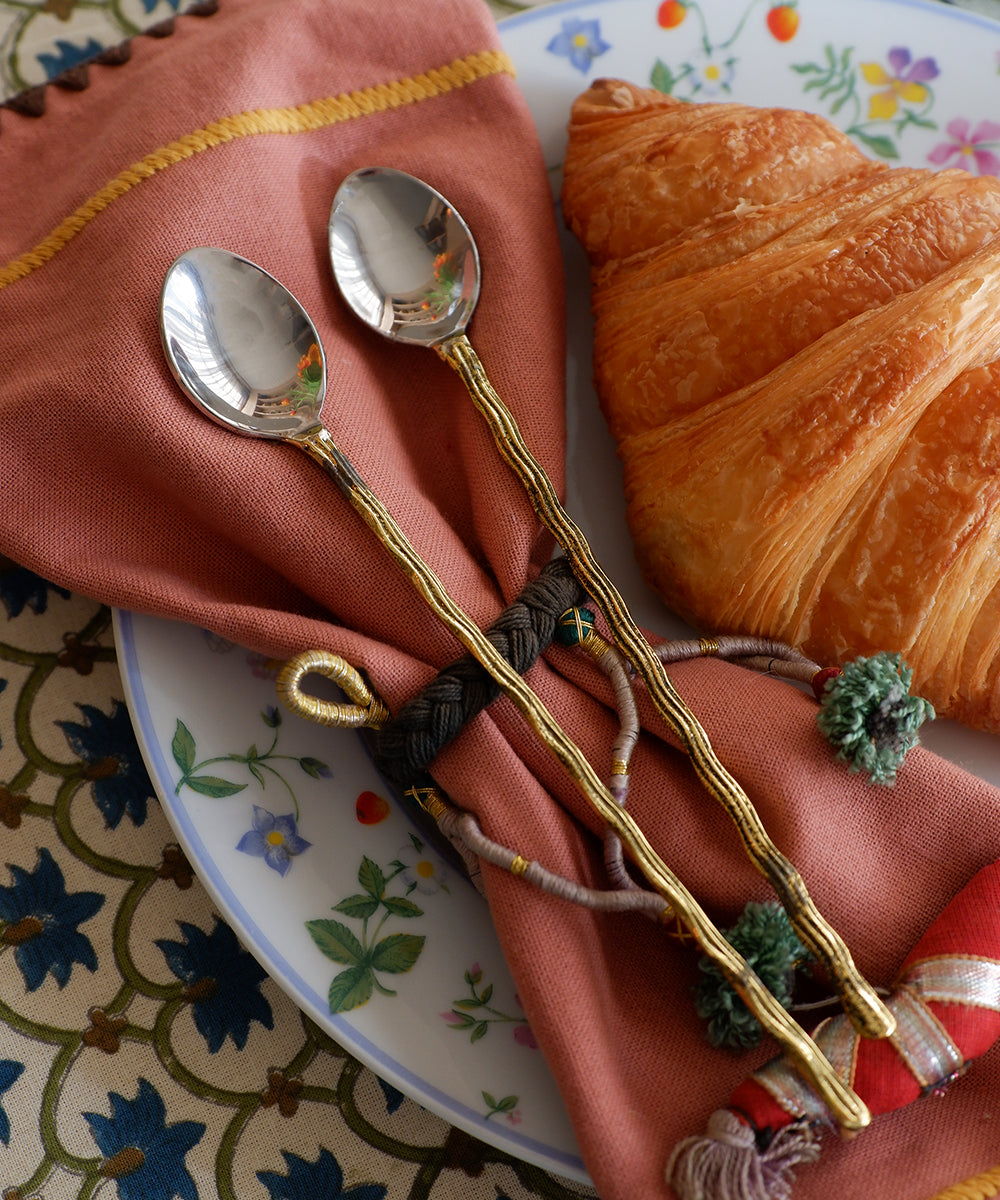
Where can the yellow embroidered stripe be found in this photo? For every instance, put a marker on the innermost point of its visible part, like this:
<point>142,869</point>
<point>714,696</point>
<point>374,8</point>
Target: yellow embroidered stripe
<point>303,118</point>
<point>981,1187</point>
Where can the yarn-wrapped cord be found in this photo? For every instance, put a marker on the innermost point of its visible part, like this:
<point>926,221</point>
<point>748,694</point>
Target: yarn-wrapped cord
<point>406,746</point>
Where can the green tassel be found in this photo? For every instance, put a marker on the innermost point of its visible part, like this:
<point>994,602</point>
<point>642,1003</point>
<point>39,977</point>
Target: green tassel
<point>764,936</point>
<point>867,713</point>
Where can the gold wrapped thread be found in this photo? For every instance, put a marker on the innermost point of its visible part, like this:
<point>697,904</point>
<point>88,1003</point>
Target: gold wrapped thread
<point>707,647</point>
<point>429,799</point>
<point>367,709</point>
<point>519,866</point>
<point>595,645</point>
<point>619,766</point>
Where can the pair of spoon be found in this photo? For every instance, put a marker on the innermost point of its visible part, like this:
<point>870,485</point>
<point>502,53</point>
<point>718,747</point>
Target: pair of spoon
<point>244,350</point>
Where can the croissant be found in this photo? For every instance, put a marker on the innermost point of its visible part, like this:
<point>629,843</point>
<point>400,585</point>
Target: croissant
<point>797,351</point>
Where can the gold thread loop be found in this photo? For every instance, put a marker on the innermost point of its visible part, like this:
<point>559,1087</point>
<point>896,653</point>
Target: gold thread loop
<point>979,1187</point>
<point>367,709</point>
<point>519,866</point>
<point>708,647</point>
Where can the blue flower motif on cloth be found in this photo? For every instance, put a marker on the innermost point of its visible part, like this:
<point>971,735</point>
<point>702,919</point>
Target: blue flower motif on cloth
<point>223,983</point>
<point>39,919</point>
<point>10,1072</point>
<point>274,839</point>
<point>68,56</point>
<point>149,5</point>
<point>114,763</point>
<point>393,1097</point>
<point>20,587</point>
<point>142,1153</point>
<point>319,1180</point>
<point>580,41</point>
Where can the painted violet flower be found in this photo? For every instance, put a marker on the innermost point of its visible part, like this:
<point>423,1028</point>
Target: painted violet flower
<point>976,144</point>
<point>39,919</point>
<point>223,983</point>
<point>142,1153</point>
<point>114,764</point>
<point>904,81</point>
<point>580,42</point>
<point>274,839</point>
<point>315,1180</point>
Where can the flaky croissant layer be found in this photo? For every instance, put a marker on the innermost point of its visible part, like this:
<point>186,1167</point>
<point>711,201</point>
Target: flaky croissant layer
<point>797,350</point>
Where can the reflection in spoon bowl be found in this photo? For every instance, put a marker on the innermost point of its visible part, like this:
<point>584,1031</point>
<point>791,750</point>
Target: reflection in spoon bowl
<point>404,259</point>
<point>241,345</point>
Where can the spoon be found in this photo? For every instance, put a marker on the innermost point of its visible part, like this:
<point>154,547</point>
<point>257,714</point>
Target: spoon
<point>408,266</point>
<point>245,352</point>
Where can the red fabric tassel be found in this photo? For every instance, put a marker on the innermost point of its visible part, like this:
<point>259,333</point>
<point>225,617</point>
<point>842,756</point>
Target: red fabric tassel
<point>947,1002</point>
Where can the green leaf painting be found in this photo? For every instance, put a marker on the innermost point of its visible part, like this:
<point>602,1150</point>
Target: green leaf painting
<point>367,954</point>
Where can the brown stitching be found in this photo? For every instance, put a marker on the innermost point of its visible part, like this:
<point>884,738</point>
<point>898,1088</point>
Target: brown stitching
<point>32,101</point>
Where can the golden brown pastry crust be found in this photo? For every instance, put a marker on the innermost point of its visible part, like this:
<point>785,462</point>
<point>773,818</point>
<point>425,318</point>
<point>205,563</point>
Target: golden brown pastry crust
<point>797,352</point>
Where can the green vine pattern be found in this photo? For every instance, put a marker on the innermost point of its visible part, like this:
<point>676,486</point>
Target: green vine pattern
<point>708,72</point>
<point>260,764</point>
<point>474,1013</point>
<point>505,1106</point>
<point>31,50</point>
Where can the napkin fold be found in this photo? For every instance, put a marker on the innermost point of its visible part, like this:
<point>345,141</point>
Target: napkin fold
<point>236,132</point>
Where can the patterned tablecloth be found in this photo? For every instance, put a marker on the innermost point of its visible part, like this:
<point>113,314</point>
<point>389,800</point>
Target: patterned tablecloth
<point>143,1051</point>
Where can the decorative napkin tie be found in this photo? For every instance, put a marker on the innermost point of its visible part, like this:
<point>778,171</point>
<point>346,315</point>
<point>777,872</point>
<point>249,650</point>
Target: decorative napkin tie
<point>236,132</point>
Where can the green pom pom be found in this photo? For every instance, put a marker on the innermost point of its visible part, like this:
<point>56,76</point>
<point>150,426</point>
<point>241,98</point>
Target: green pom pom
<point>573,626</point>
<point>765,938</point>
<point>868,714</point>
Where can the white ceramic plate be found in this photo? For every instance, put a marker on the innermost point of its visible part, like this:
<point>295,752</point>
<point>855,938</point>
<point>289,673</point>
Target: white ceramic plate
<point>913,81</point>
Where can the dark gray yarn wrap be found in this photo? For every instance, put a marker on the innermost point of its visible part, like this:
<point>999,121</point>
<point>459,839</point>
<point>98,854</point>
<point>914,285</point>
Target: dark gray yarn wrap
<point>408,744</point>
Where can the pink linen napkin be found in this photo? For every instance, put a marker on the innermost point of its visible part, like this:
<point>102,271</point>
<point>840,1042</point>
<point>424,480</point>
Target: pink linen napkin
<point>236,132</point>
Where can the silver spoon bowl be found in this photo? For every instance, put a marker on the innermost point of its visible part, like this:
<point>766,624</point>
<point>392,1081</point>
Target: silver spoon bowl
<point>403,258</point>
<point>235,340</point>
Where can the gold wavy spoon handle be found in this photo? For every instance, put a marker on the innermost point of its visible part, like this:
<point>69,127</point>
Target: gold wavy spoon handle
<point>845,1106</point>
<point>867,1012</point>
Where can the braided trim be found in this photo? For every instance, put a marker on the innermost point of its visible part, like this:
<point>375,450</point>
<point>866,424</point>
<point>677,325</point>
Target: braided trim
<point>406,746</point>
<point>979,1187</point>
<point>304,118</point>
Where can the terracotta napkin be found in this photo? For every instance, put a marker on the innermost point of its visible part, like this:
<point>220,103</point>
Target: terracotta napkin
<point>236,132</point>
